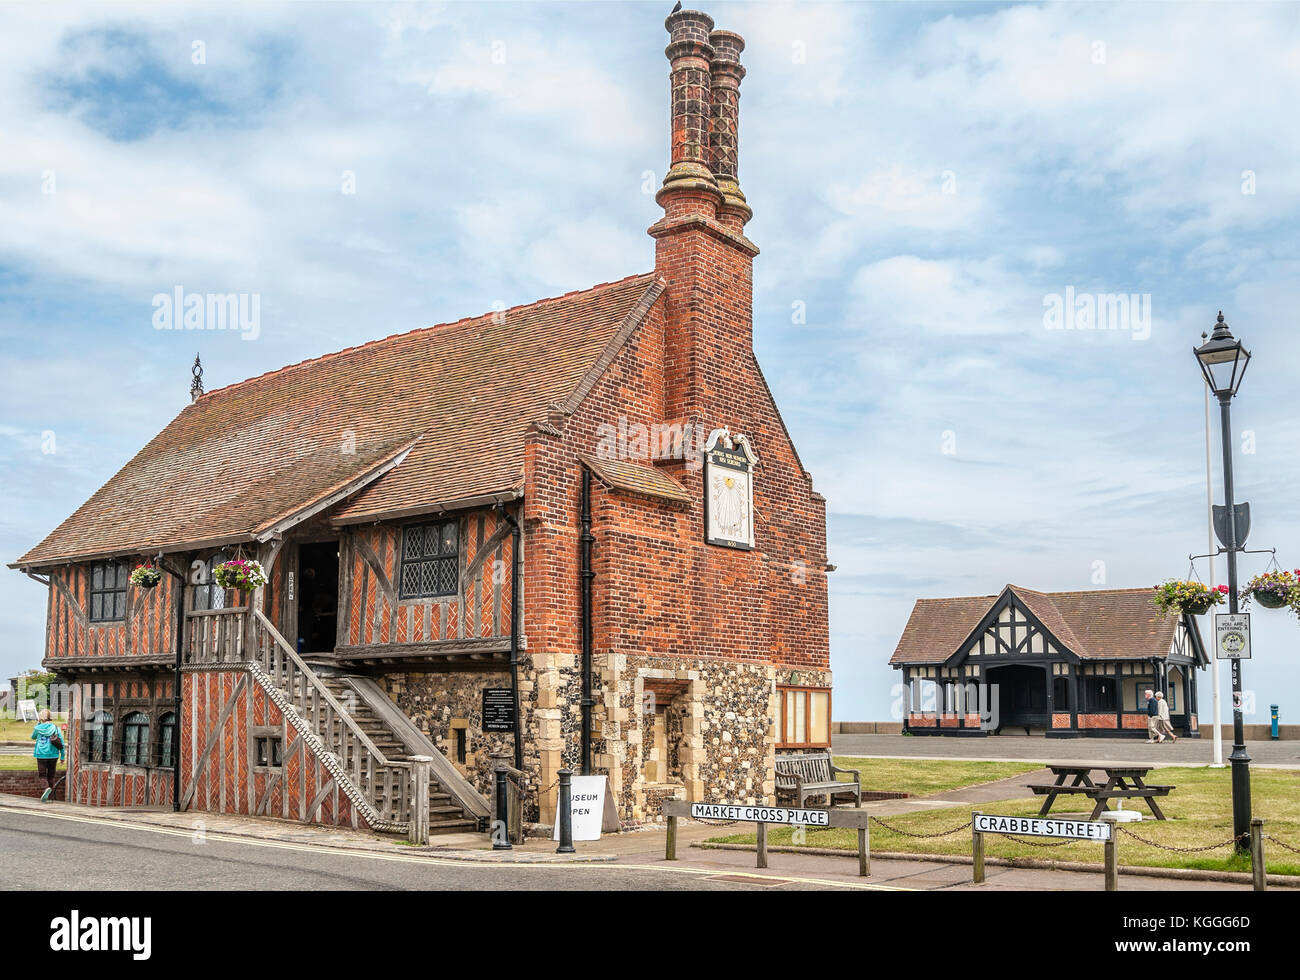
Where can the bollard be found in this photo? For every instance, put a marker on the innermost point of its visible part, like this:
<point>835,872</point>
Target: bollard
<point>1273,712</point>
<point>501,822</point>
<point>1258,870</point>
<point>670,846</point>
<point>762,845</point>
<point>977,853</point>
<point>1112,861</point>
<point>864,853</point>
<point>419,823</point>
<point>566,812</point>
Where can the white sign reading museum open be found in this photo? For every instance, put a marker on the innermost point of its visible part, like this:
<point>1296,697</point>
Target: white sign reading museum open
<point>760,814</point>
<point>991,823</point>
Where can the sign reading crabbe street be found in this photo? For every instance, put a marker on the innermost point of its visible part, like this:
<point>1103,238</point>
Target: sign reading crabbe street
<point>760,814</point>
<point>992,823</point>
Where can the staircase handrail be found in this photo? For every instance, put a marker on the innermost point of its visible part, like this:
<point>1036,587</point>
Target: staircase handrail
<point>319,686</point>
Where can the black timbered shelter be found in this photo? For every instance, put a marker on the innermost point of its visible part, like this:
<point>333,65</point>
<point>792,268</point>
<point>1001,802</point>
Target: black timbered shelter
<point>1056,663</point>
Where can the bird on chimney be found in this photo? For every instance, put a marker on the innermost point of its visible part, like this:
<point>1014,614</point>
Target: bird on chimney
<point>678,7</point>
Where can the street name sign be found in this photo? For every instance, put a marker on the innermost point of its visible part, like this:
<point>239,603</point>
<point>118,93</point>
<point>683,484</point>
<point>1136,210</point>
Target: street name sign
<point>760,814</point>
<point>992,823</point>
<point>1232,636</point>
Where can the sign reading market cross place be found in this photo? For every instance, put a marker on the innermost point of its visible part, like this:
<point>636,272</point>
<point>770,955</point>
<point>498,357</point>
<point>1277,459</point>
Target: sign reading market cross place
<point>760,814</point>
<point>992,823</point>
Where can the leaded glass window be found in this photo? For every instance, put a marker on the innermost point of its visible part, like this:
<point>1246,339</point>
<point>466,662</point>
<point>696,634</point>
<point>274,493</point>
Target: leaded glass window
<point>430,560</point>
<point>107,592</point>
<point>207,593</point>
<point>135,739</point>
<point>99,737</point>
<point>167,740</point>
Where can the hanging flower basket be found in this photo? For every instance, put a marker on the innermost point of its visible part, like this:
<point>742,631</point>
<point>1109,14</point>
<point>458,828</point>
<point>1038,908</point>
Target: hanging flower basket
<point>146,576</point>
<point>1275,589</point>
<point>242,574</point>
<point>1193,598</point>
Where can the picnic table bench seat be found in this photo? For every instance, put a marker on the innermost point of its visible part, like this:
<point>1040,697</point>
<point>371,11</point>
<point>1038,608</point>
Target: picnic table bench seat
<point>1122,783</point>
<point>807,774</point>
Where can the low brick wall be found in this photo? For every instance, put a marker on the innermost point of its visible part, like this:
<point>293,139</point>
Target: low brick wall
<point>867,728</point>
<point>28,783</point>
<point>1254,733</point>
<point>1258,733</point>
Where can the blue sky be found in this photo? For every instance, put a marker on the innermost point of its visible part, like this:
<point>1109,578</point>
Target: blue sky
<point>923,176</point>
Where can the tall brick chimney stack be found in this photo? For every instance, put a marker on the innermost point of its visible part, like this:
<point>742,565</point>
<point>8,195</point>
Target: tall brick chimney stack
<point>689,186</point>
<point>724,126</point>
<point>701,251</point>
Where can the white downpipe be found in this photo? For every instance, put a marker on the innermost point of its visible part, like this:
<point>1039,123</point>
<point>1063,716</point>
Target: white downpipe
<point>1209,516</point>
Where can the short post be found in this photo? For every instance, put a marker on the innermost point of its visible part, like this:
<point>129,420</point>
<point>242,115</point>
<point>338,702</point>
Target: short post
<point>1112,860</point>
<point>501,819</point>
<point>1258,870</point>
<point>762,845</point>
<point>977,853</point>
<point>864,853</point>
<point>419,823</point>
<point>566,812</point>
<point>670,846</point>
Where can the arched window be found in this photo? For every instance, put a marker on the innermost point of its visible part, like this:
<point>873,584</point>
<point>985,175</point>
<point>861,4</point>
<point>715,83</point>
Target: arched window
<point>99,737</point>
<point>135,739</point>
<point>167,740</point>
<point>207,593</point>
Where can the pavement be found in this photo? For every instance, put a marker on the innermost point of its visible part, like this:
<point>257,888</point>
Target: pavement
<point>73,846</point>
<point>1036,748</point>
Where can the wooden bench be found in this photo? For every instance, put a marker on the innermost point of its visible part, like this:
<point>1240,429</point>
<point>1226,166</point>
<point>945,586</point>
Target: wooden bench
<point>806,774</point>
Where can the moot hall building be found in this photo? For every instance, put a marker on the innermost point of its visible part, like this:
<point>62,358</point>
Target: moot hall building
<point>571,534</point>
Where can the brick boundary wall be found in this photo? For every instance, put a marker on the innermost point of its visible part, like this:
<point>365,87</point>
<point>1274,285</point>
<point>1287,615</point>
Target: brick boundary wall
<point>25,783</point>
<point>1254,733</point>
<point>866,728</point>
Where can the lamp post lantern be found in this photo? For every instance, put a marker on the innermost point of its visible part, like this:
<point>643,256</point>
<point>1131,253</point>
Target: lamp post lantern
<point>1223,361</point>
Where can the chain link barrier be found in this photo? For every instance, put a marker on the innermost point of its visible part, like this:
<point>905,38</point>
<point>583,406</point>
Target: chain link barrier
<point>1183,850</point>
<point>906,833</point>
<point>1282,844</point>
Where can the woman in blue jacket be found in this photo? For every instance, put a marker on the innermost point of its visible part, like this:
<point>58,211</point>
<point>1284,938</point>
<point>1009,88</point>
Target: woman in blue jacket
<point>48,751</point>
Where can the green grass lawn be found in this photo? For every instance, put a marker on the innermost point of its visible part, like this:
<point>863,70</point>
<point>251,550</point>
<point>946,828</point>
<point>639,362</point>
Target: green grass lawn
<point>1199,812</point>
<point>18,763</point>
<point>925,777</point>
<point>21,731</point>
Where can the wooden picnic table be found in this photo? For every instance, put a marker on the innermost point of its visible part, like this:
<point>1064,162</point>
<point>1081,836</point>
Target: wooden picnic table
<point>1122,783</point>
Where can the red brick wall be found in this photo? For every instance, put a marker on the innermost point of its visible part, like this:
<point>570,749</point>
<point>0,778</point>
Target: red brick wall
<point>376,614</point>
<point>28,784</point>
<point>149,627</point>
<point>216,774</point>
<point>112,784</point>
<point>660,589</point>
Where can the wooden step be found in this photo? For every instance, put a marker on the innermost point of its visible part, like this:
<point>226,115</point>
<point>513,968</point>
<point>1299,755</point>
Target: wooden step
<point>452,827</point>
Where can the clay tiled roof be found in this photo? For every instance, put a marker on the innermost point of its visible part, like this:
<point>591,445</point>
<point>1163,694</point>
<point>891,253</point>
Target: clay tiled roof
<point>449,405</point>
<point>636,478</point>
<point>1118,624</point>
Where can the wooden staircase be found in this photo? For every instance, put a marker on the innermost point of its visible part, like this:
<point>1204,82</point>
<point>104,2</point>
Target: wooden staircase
<point>377,755</point>
<point>446,816</point>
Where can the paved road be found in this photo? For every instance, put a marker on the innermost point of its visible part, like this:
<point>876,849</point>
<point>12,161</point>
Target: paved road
<point>44,851</point>
<point>1040,749</point>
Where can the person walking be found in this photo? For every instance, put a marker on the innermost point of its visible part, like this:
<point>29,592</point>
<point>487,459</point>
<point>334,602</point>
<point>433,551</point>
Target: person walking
<point>1154,734</point>
<point>48,751</point>
<point>1162,709</point>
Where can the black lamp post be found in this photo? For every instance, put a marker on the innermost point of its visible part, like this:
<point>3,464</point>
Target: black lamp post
<point>1223,361</point>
